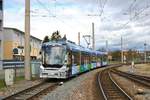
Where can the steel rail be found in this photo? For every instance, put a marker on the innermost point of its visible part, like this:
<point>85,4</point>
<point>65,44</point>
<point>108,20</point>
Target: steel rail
<point>112,91</point>
<point>120,87</point>
<point>138,78</point>
<point>32,92</point>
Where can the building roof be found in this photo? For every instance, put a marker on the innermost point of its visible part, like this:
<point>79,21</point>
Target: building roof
<point>15,29</point>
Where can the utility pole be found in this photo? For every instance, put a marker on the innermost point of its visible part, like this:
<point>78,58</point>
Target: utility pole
<point>107,49</point>
<point>78,38</point>
<point>93,37</point>
<point>145,60</point>
<point>121,50</point>
<point>27,40</point>
<point>107,46</point>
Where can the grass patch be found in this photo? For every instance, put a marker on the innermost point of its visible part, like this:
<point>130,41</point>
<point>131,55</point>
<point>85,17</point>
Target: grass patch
<point>2,84</point>
<point>19,78</point>
<point>34,78</point>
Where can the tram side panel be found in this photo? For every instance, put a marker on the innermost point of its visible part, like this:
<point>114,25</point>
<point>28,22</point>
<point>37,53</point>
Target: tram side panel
<point>99,64</point>
<point>80,63</point>
<point>104,60</point>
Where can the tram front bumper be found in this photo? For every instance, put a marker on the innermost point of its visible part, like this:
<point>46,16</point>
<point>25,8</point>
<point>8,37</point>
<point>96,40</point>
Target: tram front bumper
<point>52,74</point>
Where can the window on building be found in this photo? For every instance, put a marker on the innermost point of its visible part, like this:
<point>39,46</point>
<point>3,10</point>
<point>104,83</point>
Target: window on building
<point>1,4</point>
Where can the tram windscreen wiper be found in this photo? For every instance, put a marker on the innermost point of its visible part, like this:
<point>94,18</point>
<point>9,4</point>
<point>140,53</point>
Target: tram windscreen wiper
<point>53,66</point>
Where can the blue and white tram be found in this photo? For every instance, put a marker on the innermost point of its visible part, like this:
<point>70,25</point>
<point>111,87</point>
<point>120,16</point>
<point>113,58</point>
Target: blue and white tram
<point>64,59</point>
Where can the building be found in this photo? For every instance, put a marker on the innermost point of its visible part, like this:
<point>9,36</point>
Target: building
<point>1,32</point>
<point>14,41</point>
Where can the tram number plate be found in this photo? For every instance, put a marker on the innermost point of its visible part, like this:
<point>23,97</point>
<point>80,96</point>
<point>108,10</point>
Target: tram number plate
<point>50,73</point>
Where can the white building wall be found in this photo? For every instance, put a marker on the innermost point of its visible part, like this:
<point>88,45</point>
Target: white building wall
<point>8,35</point>
<point>18,39</point>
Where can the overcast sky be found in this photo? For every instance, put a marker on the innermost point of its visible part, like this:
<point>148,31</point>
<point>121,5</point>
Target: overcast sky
<point>112,18</point>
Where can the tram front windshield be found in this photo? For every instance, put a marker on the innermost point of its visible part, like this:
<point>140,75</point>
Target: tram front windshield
<point>54,55</point>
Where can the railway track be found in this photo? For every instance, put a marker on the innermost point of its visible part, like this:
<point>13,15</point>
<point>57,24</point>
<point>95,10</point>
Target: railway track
<point>110,89</point>
<point>143,80</point>
<point>33,93</point>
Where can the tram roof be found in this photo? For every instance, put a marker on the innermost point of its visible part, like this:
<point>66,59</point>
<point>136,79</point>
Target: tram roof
<point>74,47</point>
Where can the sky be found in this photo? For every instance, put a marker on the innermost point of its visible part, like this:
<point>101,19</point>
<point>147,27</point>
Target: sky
<point>113,19</point>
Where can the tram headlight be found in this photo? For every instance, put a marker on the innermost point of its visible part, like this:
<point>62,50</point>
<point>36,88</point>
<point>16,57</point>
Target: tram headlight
<point>63,69</point>
<point>41,67</point>
<point>62,73</point>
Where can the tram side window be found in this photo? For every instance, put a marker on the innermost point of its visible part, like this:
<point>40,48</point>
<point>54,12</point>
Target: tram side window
<point>82,59</point>
<point>93,59</point>
<point>98,58</point>
<point>105,57</point>
<point>88,59</point>
<point>85,59</point>
<point>69,62</point>
<point>76,58</point>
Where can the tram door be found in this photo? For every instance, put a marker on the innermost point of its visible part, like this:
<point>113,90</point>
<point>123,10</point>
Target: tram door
<point>69,63</point>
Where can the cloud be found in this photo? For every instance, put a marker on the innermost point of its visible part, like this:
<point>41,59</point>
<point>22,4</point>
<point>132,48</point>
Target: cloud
<point>71,17</point>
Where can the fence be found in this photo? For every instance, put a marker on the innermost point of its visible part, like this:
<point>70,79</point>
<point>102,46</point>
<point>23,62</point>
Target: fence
<point>18,67</point>
<point>1,63</point>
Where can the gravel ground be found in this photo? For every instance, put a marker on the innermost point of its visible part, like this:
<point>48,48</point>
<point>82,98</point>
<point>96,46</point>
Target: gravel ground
<point>140,69</point>
<point>83,87</point>
<point>21,85</point>
<point>131,87</point>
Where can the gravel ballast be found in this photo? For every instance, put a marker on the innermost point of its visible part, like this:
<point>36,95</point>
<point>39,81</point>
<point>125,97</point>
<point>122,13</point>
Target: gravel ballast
<point>19,86</point>
<point>82,87</point>
<point>131,87</point>
<point>139,69</point>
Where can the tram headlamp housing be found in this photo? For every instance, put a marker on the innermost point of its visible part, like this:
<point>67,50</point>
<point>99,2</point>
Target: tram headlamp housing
<point>63,69</point>
<point>41,67</point>
<point>62,73</point>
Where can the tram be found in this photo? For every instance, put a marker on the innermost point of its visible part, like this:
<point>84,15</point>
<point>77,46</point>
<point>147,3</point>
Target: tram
<point>63,59</point>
